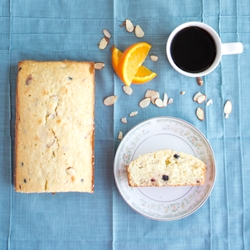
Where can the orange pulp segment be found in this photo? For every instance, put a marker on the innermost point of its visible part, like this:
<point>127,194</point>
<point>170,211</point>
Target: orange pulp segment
<point>143,75</point>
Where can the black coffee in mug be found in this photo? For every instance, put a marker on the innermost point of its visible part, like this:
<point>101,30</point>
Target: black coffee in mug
<point>193,49</point>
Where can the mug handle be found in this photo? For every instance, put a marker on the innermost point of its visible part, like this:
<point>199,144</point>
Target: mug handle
<point>231,48</point>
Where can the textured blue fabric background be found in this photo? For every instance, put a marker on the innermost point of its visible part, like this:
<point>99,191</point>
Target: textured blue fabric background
<point>63,29</point>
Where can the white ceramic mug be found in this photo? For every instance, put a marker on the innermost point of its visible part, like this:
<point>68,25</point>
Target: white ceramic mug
<point>220,48</point>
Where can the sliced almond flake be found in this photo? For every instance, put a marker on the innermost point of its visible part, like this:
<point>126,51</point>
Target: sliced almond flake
<point>120,135</point>
<point>129,25</point>
<point>99,65</point>
<point>145,102</point>
<point>210,101</point>
<point>134,113</point>
<point>128,90</point>
<point>200,113</point>
<point>103,43</point>
<point>138,31</point>
<point>71,171</point>
<point>28,80</point>
<point>159,103</point>
<point>228,107</point>
<point>165,100</point>
<point>124,120</point>
<point>106,33</point>
<point>110,100</point>
<point>154,97</point>
<point>50,144</point>
<point>154,58</point>
<point>199,81</point>
<point>182,93</point>
<point>51,116</point>
<point>201,99</point>
<point>150,93</point>
<point>170,100</point>
<point>196,96</point>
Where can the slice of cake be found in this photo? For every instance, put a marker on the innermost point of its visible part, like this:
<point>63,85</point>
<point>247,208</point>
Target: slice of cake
<point>166,168</point>
<point>54,144</point>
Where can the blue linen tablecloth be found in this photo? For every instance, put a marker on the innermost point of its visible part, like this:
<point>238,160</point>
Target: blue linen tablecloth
<point>58,30</point>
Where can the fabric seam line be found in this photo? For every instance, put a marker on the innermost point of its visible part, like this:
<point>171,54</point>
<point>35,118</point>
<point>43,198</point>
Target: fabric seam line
<point>10,120</point>
<point>240,132</point>
<point>224,143</point>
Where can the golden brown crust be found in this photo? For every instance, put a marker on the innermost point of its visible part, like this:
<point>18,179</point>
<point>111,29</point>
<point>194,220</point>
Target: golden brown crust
<point>93,156</point>
<point>93,133</point>
<point>16,122</point>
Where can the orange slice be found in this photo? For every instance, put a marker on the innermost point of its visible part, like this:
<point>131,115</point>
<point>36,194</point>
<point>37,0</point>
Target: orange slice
<point>131,59</point>
<point>142,75</point>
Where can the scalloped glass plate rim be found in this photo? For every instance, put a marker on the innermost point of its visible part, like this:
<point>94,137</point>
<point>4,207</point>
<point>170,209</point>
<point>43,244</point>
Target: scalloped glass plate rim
<point>143,200</point>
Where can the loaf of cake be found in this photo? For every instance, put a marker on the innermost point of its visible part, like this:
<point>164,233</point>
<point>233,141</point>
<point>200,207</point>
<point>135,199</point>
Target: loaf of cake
<point>166,168</point>
<point>54,142</point>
